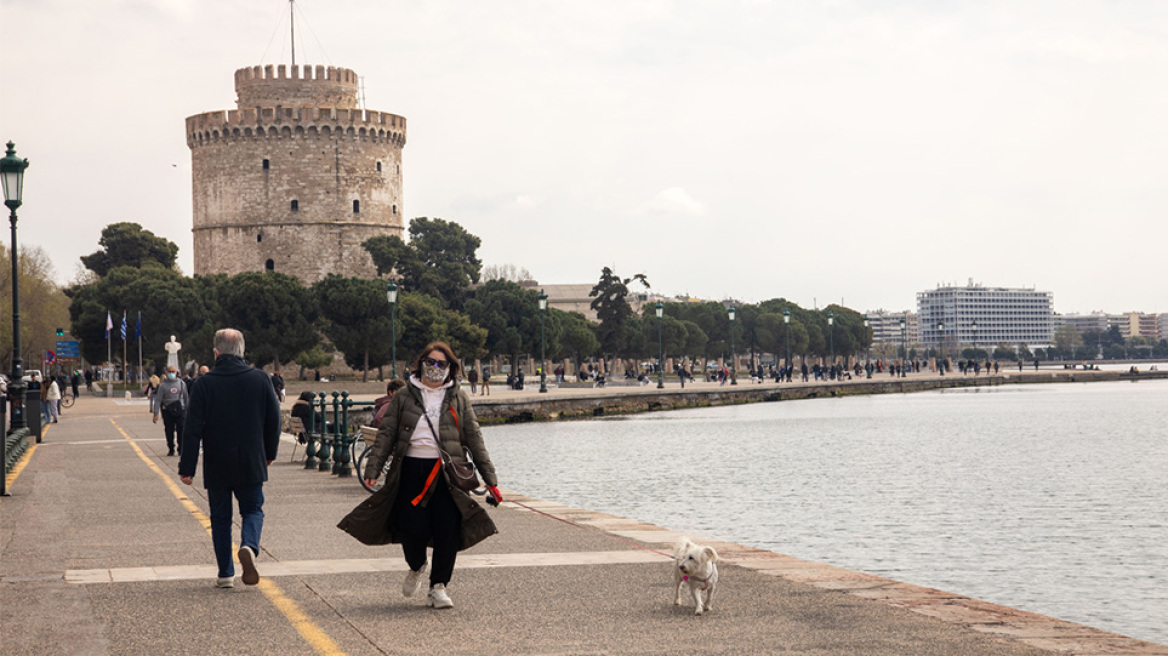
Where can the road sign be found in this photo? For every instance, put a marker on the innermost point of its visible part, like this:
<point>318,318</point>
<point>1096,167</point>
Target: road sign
<point>68,350</point>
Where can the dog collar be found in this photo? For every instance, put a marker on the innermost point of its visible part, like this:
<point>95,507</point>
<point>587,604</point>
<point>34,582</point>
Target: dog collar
<point>705,582</point>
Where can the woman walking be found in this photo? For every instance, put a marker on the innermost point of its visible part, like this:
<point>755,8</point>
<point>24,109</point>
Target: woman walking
<point>418,505</point>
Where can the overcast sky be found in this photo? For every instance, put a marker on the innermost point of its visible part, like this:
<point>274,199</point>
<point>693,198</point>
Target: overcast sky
<point>819,151</point>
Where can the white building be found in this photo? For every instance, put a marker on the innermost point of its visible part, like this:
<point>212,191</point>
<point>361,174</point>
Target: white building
<point>886,326</point>
<point>973,315</point>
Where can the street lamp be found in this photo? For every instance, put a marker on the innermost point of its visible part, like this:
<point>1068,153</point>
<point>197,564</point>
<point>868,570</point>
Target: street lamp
<point>831,335</point>
<point>542,343</point>
<point>787,320</point>
<point>12,171</point>
<point>903,344</point>
<point>391,296</point>
<point>660,349</point>
<point>733,356</point>
<point>941,347</point>
<point>974,326</point>
<point>867,347</point>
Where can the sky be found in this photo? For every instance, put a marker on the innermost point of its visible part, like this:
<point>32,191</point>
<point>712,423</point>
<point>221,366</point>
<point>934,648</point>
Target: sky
<point>825,152</point>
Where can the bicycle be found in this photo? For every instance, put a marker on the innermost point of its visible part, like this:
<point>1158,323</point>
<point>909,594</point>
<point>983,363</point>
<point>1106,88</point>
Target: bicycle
<point>67,400</point>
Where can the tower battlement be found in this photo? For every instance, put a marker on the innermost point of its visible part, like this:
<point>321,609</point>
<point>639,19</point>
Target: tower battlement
<point>296,86</point>
<point>309,122</point>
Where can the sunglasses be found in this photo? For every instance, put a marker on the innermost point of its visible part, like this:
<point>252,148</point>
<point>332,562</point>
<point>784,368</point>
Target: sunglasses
<point>431,362</point>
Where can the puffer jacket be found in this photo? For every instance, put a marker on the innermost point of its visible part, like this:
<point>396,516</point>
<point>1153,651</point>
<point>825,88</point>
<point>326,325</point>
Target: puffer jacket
<point>457,426</point>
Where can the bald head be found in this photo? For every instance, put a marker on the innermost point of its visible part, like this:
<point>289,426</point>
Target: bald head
<point>229,341</point>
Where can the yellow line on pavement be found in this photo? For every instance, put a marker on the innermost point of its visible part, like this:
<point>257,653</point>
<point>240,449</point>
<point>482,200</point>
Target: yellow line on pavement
<point>19,466</point>
<point>312,634</point>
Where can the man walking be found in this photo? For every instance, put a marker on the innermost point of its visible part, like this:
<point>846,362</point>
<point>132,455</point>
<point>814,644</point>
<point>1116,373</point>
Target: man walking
<point>235,416</point>
<point>171,400</point>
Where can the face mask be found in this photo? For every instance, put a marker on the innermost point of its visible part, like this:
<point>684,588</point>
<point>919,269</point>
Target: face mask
<point>433,374</point>
<point>172,376</point>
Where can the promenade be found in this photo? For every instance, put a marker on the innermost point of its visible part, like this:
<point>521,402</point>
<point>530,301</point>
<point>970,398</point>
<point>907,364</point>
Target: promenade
<point>104,551</point>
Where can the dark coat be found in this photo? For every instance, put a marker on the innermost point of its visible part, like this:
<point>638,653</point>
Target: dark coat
<point>369,522</point>
<point>234,414</point>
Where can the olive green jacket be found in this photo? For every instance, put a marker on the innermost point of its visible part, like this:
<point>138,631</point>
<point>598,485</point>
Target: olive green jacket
<point>457,427</point>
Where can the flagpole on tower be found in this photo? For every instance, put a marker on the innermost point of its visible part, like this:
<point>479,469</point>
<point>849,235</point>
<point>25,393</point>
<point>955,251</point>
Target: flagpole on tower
<point>292,24</point>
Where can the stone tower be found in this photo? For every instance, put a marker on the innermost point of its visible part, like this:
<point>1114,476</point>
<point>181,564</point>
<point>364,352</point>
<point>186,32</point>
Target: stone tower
<point>295,178</point>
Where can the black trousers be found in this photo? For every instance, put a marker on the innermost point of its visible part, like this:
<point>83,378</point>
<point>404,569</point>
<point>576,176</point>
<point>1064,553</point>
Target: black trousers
<point>172,423</point>
<point>439,522</point>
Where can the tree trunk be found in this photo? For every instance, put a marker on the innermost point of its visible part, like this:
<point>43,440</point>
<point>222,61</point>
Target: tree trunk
<point>365,368</point>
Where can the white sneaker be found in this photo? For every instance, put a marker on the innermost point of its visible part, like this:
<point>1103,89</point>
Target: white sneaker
<point>225,582</point>
<point>438,597</point>
<point>413,581</point>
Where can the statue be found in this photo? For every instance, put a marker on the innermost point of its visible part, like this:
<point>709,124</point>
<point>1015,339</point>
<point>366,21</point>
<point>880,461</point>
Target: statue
<point>172,348</point>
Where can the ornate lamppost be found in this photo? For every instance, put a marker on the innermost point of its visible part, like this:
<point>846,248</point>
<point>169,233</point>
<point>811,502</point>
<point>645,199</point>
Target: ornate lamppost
<point>867,347</point>
<point>391,296</point>
<point>660,349</point>
<point>941,347</point>
<point>733,356</point>
<point>903,343</point>
<point>787,321</point>
<point>12,171</point>
<point>542,343</point>
<point>831,335</point>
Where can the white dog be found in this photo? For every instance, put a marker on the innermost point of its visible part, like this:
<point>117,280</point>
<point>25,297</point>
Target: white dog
<point>696,567</point>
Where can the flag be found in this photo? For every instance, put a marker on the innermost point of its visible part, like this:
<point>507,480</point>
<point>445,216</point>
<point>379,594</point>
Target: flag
<point>138,330</point>
<point>123,326</point>
<point>109,324</point>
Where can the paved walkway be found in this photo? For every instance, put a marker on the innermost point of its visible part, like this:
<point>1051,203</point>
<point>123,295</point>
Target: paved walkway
<point>105,552</point>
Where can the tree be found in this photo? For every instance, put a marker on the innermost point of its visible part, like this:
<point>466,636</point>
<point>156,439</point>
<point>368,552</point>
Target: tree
<point>275,312</point>
<point>129,244</point>
<point>314,358</point>
<point>170,305</point>
<point>673,334</point>
<point>509,272</point>
<point>43,306</point>
<point>613,310</point>
<point>577,338</point>
<point>424,320</point>
<point>1067,338</point>
<point>510,315</point>
<point>439,259</point>
<point>356,320</point>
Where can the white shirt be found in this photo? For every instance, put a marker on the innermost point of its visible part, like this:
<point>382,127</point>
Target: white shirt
<point>424,443</point>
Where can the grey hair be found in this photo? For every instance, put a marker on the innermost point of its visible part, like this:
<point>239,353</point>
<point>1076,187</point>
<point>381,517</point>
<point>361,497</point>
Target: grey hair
<point>229,341</point>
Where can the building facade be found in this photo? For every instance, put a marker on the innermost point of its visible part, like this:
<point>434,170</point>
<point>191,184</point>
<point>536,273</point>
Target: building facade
<point>955,317</point>
<point>295,178</point>
<point>886,327</point>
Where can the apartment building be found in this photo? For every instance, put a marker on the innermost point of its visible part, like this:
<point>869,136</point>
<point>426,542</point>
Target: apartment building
<point>954,316</point>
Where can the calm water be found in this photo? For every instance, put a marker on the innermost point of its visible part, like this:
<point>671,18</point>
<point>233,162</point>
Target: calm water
<point>1048,498</point>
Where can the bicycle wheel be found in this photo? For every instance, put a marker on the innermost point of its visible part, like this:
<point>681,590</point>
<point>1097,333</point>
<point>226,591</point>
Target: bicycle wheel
<point>361,471</point>
<point>67,401</point>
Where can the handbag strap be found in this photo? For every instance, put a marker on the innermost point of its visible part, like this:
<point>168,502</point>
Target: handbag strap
<point>438,438</point>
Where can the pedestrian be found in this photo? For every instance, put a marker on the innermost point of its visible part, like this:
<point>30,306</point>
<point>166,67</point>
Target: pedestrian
<point>50,398</point>
<point>472,377</point>
<point>278,385</point>
<point>485,387</point>
<point>235,417</point>
<point>171,400</point>
<point>431,419</point>
<point>381,403</point>
<point>76,382</point>
<point>152,387</point>
<point>305,409</point>
<point>88,380</point>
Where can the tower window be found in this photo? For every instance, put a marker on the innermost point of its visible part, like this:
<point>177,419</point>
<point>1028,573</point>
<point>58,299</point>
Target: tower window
<point>356,207</point>
<point>379,167</point>
<point>259,237</point>
<point>295,206</point>
<point>267,164</point>
<point>270,265</point>
<point>395,209</point>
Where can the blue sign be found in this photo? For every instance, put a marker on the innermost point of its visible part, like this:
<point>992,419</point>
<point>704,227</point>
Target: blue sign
<point>68,350</point>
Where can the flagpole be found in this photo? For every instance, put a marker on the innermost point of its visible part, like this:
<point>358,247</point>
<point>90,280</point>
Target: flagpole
<point>125,364</point>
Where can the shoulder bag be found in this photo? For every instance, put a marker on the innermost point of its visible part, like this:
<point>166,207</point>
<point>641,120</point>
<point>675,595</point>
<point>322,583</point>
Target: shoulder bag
<point>460,474</point>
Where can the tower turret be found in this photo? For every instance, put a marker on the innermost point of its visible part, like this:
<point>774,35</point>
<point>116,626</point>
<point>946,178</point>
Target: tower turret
<point>295,178</point>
